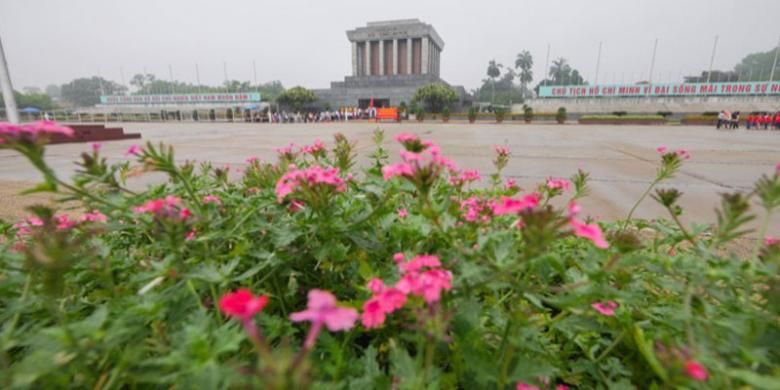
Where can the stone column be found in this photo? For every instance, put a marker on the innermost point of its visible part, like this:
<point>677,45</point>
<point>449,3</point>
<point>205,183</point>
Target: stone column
<point>409,52</point>
<point>425,54</point>
<point>382,57</point>
<point>354,59</point>
<point>367,64</point>
<point>395,56</point>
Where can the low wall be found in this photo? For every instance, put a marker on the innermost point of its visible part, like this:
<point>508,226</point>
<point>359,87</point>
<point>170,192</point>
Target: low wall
<point>652,105</point>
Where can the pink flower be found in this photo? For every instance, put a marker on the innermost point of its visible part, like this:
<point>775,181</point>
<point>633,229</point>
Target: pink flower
<point>376,285</point>
<point>96,147</point>
<point>590,231</point>
<point>573,209</point>
<point>607,309</point>
<point>399,258</point>
<point>406,137</point>
<point>502,150</point>
<point>287,150</point>
<point>51,127</point>
<point>696,371</point>
<point>191,235</point>
<point>400,169</point>
<point>313,176</point>
<point>212,199</point>
<point>769,240</point>
<point>32,131</point>
<point>242,304</point>
<point>64,222</point>
<point>94,216</point>
<point>561,184</point>
<point>402,213</point>
<point>508,205</point>
<point>317,147</point>
<point>133,150</point>
<point>322,309</point>
<point>683,153</point>
<point>168,207</point>
<point>373,314</point>
<point>561,387</point>
<point>524,386</point>
<point>777,168</point>
<point>661,149</point>
<point>184,213</point>
<point>510,184</point>
<point>466,176</point>
<point>251,160</point>
<point>419,263</point>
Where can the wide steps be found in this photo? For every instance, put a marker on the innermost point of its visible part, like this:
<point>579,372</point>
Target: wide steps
<point>92,133</point>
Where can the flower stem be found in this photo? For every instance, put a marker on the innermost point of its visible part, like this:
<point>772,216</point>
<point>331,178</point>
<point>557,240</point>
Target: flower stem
<point>641,198</point>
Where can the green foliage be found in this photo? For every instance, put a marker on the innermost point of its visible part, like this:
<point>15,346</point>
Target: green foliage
<point>528,113</point>
<point>296,98</point>
<point>561,115</point>
<point>756,66</point>
<point>445,113</point>
<point>85,92</point>
<point>500,112</point>
<point>149,84</point>
<point>419,114</point>
<point>472,115</point>
<point>626,118</point>
<point>435,96</point>
<point>132,301</point>
<point>38,100</point>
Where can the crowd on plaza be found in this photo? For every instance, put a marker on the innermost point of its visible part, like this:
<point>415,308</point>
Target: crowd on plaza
<point>754,120</point>
<point>343,114</point>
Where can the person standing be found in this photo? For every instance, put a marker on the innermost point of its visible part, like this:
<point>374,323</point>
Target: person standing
<point>767,120</point>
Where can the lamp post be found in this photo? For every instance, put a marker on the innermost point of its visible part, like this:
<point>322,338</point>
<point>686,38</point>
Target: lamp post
<point>8,90</point>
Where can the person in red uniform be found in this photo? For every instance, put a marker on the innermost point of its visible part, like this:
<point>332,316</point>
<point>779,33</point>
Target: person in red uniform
<point>767,121</point>
<point>749,121</point>
<point>777,120</point>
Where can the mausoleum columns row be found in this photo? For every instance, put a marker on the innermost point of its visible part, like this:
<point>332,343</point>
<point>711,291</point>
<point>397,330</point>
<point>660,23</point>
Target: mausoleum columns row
<point>419,56</point>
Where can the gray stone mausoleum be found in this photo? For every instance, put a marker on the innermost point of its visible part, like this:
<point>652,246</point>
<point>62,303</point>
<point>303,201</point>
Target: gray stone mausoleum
<point>390,61</point>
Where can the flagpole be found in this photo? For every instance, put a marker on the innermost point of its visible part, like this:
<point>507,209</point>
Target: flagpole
<point>224,70</point>
<point>652,62</point>
<point>598,64</point>
<point>774,63</point>
<point>197,77</point>
<point>170,73</point>
<point>546,64</point>
<point>8,90</point>
<point>712,59</point>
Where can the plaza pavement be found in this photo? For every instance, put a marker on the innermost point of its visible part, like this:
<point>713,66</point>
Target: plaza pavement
<point>621,159</point>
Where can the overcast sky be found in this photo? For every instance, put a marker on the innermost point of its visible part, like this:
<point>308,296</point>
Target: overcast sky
<point>304,43</point>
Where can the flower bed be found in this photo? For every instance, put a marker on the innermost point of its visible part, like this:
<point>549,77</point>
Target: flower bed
<point>308,272</point>
<point>699,120</point>
<point>622,120</point>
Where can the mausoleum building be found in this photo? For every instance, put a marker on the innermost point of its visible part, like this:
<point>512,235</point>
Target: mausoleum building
<point>390,61</point>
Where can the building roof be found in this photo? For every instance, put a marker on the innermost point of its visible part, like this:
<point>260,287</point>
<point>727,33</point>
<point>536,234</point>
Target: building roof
<point>395,29</point>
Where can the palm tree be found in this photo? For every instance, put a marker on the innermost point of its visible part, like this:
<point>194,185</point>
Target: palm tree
<point>524,62</point>
<point>493,71</point>
<point>560,70</point>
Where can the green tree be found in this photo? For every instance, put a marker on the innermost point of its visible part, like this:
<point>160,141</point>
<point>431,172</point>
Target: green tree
<point>38,100</point>
<point>560,71</point>
<point>493,71</point>
<point>435,96</point>
<point>296,97</point>
<point>524,62</point>
<point>54,91</point>
<point>756,66</point>
<point>84,92</point>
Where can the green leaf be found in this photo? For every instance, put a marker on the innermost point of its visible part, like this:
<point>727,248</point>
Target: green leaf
<point>762,382</point>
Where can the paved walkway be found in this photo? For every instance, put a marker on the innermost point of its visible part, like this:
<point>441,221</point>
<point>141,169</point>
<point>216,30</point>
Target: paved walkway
<point>621,159</point>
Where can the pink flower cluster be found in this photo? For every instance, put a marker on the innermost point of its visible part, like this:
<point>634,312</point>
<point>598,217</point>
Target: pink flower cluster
<point>421,276</point>
<point>769,240</point>
<point>465,176</point>
<point>525,386</point>
<point>476,209</point>
<point>590,231</point>
<point>509,205</point>
<point>242,304</point>
<point>134,150</point>
<point>315,148</point>
<point>322,309</point>
<point>309,177</point>
<point>168,207</point>
<point>696,371</point>
<point>212,199</point>
<point>605,308</point>
<point>93,216</point>
<point>428,159</point>
<point>32,131</point>
<point>501,150</point>
<point>558,184</point>
<point>682,153</point>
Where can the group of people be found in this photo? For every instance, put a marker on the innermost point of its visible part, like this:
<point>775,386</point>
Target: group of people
<point>343,114</point>
<point>754,120</point>
<point>757,120</point>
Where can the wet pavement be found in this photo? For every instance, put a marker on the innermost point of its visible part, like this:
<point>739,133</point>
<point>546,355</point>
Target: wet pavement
<point>621,159</point>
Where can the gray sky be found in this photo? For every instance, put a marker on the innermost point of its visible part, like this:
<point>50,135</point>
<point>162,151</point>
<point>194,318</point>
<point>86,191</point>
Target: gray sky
<point>303,42</point>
